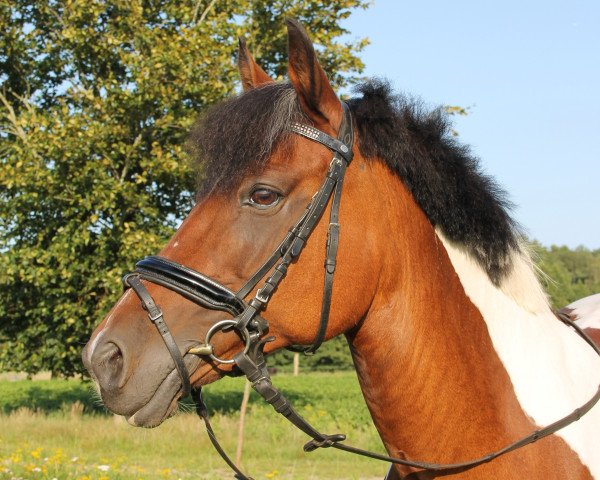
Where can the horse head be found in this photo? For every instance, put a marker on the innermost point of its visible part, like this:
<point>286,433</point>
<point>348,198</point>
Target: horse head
<point>259,178</point>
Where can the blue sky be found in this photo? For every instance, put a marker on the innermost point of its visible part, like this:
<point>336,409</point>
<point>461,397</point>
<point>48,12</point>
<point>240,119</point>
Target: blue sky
<point>530,71</point>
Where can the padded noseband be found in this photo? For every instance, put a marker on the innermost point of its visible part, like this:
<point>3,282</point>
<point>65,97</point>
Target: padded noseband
<point>190,284</point>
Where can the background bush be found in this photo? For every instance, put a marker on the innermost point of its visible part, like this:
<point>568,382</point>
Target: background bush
<point>96,101</point>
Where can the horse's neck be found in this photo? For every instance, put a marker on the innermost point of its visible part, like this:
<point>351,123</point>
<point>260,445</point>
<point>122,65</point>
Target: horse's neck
<point>427,367</point>
<point>433,369</point>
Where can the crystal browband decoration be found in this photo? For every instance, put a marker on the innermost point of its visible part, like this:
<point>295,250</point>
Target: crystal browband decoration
<point>305,130</point>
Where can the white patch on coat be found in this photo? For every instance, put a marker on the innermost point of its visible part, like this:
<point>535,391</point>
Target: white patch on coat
<point>96,339</point>
<point>93,345</point>
<point>587,311</point>
<point>552,370</point>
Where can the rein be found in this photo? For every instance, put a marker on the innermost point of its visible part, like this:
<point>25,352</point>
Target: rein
<point>251,327</point>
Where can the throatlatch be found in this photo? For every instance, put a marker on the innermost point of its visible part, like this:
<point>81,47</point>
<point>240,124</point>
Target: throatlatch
<point>251,327</point>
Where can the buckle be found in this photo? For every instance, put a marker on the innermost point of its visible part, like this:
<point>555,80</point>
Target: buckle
<point>156,316</point>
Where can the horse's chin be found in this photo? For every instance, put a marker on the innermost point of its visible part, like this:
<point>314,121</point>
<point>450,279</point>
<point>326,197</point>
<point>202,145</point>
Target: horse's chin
<point>161,406</point>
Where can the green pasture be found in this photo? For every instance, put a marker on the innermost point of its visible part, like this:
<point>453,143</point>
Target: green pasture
<point>57,429</point>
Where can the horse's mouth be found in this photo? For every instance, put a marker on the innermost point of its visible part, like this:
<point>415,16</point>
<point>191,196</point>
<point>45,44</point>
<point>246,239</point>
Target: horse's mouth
<point>161,406</point>
<point>163,403</point>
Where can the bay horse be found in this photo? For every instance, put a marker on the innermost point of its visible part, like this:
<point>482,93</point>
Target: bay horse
<point>456,349</point>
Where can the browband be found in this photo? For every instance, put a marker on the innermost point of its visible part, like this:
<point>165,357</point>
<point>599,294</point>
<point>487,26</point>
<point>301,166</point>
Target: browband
<point>317,135</point>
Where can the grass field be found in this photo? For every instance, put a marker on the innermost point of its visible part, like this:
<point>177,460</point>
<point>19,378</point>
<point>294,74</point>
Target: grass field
<point>56,430</point>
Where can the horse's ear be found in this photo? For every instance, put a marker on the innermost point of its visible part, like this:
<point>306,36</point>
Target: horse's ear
<point>250,72</point>
<point>317,98</point>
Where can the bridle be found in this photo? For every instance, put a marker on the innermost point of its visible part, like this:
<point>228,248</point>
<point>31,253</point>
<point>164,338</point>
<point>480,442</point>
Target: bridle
<point>211,294</point>
<point>252,327</point>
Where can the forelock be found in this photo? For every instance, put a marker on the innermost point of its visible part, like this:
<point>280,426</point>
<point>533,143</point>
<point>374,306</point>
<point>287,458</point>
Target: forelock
<point>239,135</point>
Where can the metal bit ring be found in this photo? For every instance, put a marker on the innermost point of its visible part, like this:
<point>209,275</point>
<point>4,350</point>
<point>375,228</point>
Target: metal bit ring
<point>220,326</point>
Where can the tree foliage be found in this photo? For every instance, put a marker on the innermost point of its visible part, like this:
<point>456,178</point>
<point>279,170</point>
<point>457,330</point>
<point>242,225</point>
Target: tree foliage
<point>572,274</point>
<point>96,100</point>
<point>331,356</point>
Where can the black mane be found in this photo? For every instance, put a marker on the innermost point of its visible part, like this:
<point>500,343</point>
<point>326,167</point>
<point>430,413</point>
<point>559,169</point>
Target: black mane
<point>443,176</point>
<point>239,135</point>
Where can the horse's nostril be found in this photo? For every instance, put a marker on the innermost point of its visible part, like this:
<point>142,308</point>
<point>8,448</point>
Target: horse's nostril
<point>115,356</point>
<point>108,365</point>
<point>108,355</point>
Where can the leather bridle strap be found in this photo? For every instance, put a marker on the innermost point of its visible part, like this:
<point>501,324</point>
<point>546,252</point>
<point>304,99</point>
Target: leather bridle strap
<point>202,412</point>
<point>293,244</point>
<point>156,317</point>
<point>333,235</point>
<point>190,284</point>
<point>342,149</point>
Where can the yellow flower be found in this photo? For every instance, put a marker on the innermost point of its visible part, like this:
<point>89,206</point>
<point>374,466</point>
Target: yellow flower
<point>16,456</point>
<point>37,453</point>
<point>57,458</point>
<point>272,474</point>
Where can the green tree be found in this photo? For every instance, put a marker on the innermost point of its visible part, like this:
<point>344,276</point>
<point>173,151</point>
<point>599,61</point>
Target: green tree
<point>572,274</point>
<point>96,99</point>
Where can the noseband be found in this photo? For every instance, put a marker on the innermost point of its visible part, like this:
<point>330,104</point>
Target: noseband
<point>252,327</point>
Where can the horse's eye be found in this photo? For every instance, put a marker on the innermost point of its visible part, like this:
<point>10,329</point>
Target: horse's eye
<point>264,197</point>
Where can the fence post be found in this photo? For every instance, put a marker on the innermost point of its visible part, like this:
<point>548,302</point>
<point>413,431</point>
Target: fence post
<point>243,408</point>
<point>296,363</point>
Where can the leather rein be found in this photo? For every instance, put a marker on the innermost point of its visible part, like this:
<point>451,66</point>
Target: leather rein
<point>252,327</point>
